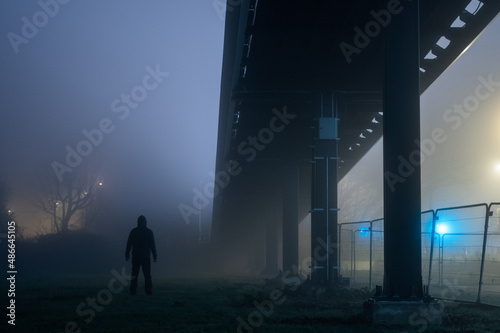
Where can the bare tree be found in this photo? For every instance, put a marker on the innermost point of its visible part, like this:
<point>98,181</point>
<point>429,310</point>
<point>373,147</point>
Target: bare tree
<point>5,213</point>
<point>65,200</point>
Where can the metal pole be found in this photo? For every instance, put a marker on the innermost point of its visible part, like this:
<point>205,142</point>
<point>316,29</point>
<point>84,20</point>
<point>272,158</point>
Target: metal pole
<point>354,256</point>
<point>442,260</point>
<point>290,215</point>
<point>371,256</point>
<point>485,239</point>
<point>327,225</point>
<point>339,236</point>
<point>433,232</point>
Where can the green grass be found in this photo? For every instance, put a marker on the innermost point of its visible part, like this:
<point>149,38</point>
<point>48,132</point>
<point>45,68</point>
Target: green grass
<point>212,305</point>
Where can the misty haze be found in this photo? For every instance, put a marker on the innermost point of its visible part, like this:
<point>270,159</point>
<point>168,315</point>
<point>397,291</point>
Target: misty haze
<point>220,166</point>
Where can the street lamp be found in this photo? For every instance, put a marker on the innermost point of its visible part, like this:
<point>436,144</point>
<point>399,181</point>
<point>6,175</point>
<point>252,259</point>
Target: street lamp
<point>56,203</point>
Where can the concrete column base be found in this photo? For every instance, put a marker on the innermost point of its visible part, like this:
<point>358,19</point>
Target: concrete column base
<point>417,314</point>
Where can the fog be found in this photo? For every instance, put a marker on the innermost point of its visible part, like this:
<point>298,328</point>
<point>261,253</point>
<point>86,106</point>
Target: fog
<point>131,91</point>
<point>150,71</point>
<point>460,136</point>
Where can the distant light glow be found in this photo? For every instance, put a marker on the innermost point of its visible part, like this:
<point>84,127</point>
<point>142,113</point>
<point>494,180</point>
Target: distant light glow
<point>422,70</point>
<point>364,231</point>
<point>441,228</point>
<point>497,167</point>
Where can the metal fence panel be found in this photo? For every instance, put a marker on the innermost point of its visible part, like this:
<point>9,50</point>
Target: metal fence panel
<point>460,231</point>
<point>490,290</point>
<point>355,252</point>
<point>429,248</point>
<point>459,260</point>
<point>377,277</point>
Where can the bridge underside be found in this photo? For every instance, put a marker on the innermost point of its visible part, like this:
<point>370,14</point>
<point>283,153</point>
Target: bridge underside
<point>291,68</point>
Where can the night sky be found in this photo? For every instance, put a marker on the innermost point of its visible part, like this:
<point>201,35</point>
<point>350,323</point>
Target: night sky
<point>146,74</point>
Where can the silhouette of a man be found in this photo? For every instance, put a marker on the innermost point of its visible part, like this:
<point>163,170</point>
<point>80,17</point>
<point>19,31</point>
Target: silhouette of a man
<point>142,242</point>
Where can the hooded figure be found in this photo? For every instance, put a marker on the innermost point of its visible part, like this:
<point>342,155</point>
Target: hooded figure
<point>141,241</point>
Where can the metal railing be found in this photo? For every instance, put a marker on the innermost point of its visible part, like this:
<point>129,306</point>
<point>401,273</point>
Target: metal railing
<point>460,250</point>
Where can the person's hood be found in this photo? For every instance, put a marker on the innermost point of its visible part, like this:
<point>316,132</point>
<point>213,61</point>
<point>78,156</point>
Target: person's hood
<point>142,222</point>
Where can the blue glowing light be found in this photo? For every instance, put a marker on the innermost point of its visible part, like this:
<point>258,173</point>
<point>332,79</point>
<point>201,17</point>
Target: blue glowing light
<point>441,228</point>
<point>364,231</point>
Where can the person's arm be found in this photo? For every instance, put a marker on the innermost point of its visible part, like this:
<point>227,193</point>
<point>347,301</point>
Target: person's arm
<point>129,246</point>
<point>153,246</point>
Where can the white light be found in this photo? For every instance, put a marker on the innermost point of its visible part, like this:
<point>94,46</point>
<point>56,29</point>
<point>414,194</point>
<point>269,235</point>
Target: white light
<point>474,6</point>
<point>443,42</point>
<point>362,136</point>
<point>381,113</point>
<point>369,130</point>
<point>441,229</point>
<point>249,45</point>
<point>458,23</point>
<point>375,121</point>
<point>497,167</point>
<point>422,70</point>
<point>430,56</point>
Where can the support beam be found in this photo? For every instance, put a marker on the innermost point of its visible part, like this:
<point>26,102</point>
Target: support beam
<point>290,216</point>
<point>324,195</point>
<point>402,187</point>
<point>272,268</point>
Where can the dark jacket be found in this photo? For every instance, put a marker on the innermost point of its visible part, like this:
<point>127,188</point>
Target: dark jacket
<point>141,241</point>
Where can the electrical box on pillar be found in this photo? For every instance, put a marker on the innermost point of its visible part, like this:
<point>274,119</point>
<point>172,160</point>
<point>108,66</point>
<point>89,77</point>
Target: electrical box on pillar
<point>328,128</point>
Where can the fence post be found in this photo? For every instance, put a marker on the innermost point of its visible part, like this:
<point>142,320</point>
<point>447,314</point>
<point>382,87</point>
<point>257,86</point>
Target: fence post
<point>352,260</point>
<point>371,249</point>
<point>441,272</point>
<point>354,256</point>
<point>432,251</point>
<point>339,251</point>
<point>483,255</point>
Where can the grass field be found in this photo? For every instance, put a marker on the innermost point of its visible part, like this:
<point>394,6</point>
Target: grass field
<point>207,305</point>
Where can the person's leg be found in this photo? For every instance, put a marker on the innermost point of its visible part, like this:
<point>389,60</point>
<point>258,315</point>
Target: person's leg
<point>146,269</point>
<point>135,274</point>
